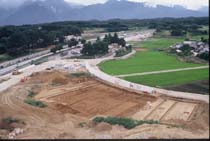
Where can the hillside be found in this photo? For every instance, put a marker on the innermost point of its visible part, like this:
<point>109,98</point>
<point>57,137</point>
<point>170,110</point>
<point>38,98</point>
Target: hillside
<point>39,11</point>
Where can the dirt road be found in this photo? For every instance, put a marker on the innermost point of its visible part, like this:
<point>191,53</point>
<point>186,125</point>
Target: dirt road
<point>163,71</point>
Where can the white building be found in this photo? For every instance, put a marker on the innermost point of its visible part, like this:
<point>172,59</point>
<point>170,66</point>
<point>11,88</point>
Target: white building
<point>69,37</point>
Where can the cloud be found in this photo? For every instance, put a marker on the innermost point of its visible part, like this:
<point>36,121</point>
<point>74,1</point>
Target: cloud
<point>191,4</point>
<point>86,2</point>
<point>11,3</point>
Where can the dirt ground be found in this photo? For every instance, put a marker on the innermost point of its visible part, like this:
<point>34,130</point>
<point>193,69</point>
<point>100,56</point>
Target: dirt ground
<point>201,87</point>
<point>140,49</point>
<point>73,101</point>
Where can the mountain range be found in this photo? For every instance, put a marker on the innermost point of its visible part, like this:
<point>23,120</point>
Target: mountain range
<point>39,11</point>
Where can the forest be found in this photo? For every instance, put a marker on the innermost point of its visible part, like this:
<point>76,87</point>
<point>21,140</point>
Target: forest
<point>17,41</point>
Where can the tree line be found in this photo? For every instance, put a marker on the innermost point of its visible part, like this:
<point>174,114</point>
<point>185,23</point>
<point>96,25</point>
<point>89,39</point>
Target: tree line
<point>20,40</point>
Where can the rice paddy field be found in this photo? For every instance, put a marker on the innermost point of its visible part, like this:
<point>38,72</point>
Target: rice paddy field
<point>170,79</point>
<point>146,61</point>
<point>154,60</point>
<point>157,43</point>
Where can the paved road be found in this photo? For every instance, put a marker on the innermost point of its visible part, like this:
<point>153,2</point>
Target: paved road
<point>12,67</point>
<point>9,69</point>
<point>163,71</point>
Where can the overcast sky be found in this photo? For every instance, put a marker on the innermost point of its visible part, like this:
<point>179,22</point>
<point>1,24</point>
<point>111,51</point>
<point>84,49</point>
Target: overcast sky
<point>191,4</point>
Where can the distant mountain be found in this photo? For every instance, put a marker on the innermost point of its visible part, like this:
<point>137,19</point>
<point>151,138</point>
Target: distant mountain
<point>204,9</point>
<point>33,12</point>
<point>39,12</point>
<point>130,10</point>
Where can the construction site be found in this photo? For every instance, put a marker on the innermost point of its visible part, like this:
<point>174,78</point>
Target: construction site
<point>61,98</point>
<point>72,100</point>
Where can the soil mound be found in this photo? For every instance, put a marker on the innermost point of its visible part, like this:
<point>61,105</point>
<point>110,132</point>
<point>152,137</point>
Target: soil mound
<point>60,80</point>
<point>101,127</point>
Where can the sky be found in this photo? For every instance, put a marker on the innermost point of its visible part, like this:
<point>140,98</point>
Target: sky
<point>190,4</point>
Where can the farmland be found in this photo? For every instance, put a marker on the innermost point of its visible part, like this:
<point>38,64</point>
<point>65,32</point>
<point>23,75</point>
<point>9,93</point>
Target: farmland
<point>152,59</point>
<point>144,62</point>
<point>170,79</point>
<point>157,43</point>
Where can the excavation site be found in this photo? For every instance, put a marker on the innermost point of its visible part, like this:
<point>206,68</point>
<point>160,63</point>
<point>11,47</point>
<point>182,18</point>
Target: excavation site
<point>56,105</point>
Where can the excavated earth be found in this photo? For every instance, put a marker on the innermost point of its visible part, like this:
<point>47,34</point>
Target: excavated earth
<point>73,101</point>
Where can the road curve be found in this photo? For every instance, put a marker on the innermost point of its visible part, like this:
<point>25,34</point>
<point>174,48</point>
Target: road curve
<point>92,67</point>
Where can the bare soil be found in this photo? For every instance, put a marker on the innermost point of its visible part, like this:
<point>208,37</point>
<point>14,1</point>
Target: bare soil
<point>140,49</point>
<point>76,100</point>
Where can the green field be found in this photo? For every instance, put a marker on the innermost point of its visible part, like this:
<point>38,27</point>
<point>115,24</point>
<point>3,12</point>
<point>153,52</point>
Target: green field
<point>198,37</point>
<point>170,79</point>
<point>154,60</point>
<point>157,43</point>
<point>204,28</point>
<point>144,62</point>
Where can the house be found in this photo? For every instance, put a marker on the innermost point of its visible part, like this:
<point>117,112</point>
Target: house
<point>197,47</point>
<point>177,46</point>
<point>178,51</point>
<point>114,47</point>
<point>191,42</point>
<point>194,53</point>
<point>69,37</point>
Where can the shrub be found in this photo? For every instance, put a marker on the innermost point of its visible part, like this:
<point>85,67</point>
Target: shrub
<point>35,103</point>
<point>125,122</point>
<point>121,52</point>
<point>82,124</point>
<point>79,75</point>
<point>98,119</point>
<point>39,61</point>
<point>10,120</point>
<point>31,93</point>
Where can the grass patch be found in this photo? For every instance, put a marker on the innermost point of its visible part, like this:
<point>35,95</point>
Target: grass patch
<point>35,103</point>
<point>170,79</point>
<point>198,37</point>
<point>160,43</point>
<point>55,84</point>
<point>204,28</point>
<point>121,53</point>
<point>82,57</point>
<point>125,122</point>
<point>39,61</point>
<point>5,57</point>
<point>146,61</point>
<point>82,124</point>
<point>163,33</point>
<point>10,120</point>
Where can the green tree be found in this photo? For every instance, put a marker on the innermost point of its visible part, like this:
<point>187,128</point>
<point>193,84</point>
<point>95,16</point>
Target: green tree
<point>83,41</point>
<point>122,42</point>
<point>73,42</point>
<point>115,39</point>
